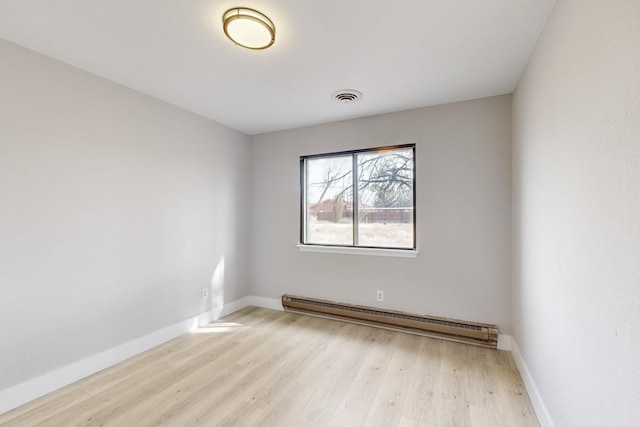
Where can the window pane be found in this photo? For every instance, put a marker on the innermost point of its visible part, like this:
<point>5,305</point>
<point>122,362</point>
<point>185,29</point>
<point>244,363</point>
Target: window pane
<point>329,200</point>
<point>385,209</point>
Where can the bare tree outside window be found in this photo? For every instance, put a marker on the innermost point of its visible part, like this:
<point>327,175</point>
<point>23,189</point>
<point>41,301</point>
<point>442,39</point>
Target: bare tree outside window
<point>381,181</point>
<point>329,193</point>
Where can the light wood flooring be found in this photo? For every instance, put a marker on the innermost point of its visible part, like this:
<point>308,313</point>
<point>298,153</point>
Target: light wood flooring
<point>260,367</point>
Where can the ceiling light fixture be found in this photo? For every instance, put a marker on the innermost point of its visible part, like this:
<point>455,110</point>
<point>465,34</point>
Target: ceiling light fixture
<point>248,28</point>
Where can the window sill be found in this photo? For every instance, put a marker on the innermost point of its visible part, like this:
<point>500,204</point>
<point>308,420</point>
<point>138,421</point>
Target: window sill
<point>399,253</point>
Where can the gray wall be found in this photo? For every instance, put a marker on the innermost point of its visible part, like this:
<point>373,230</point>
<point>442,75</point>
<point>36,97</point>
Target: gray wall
<point>463,214</point>
<point>115,210</point>
<point>576,298</point>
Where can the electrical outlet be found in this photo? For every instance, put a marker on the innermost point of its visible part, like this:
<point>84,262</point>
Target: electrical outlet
<point>205,293</point>
<point>380,296</point>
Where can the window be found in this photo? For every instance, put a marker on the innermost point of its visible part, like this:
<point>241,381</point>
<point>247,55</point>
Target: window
<point>382,180</point>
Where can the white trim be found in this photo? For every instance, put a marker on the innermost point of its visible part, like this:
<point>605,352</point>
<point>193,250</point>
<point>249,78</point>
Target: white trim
<point>27,391</point>
<point>534,394</point>
<point>401,253</point>
<point>232,307</point>
<point>264,302</point>
<point>504,342</point>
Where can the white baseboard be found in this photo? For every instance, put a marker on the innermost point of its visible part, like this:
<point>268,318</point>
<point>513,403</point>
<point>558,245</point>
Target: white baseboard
<point>504,342</point>
<point>264,302</point>
<point>27,391</point>
<point>234,306</point>
<point>20,394</point>
<point>534,394</point>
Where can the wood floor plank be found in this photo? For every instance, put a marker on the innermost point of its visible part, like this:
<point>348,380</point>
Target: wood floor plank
<point>410,422</point>
<point>218,368</point>
<point>422,397</point>
<point>199,395</point>
<point>332,359</point>
<point>386,408</point>
<point>109,399</point>
<point>136,414</point>
<point>331,381</point>
<point>44,407</point>
<point>260,367</point>
<point>481,387</point>
<point>284,412</point>
<point>204,399</point>
<point>452,408</point>
<point>150,390</point>
<point>483,417</point>
<point>355,404</point>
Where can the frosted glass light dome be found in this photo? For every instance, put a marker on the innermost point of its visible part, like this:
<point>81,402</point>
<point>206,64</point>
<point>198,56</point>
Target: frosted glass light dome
<point>249,28</point>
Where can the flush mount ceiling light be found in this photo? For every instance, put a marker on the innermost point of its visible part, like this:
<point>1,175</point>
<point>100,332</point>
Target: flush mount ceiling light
<point>248,28</point>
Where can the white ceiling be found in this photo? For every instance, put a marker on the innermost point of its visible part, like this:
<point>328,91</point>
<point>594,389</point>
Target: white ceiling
<point>400,54</point>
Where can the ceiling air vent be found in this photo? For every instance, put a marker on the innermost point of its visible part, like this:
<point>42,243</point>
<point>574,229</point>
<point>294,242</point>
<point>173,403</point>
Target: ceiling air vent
<point>347,96</point>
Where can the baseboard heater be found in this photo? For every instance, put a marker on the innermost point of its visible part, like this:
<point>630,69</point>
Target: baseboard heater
<point>481,334</point>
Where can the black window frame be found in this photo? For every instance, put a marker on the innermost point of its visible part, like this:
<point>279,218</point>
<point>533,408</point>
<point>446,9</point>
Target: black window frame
<point>353,153</point>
